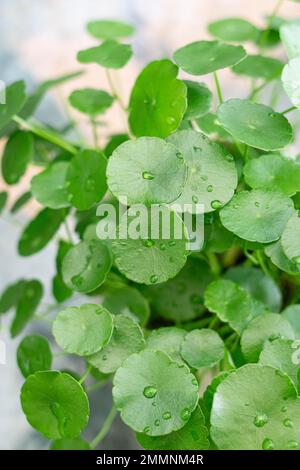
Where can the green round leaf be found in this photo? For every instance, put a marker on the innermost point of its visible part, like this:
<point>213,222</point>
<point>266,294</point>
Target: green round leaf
<point>40,231</point>
<point>128,301</point>
<point>31,293</point>
<point>86,180</point>
<point>110,54</point>
<point>279,354</point>
<point>262,329</point>
<point>146,171</point>
<point>258,215</point>
<point>150,260</point>
<point>34,355</point>
<point>232,303</point>
<point>70,444</point>
<point>258,66</point>
<point>17,154</point>
<point>151,377</point>
<point>233,30</point>
<point>255,124</point>
<point>292,314</point>
<point>279,258</point>
<point>212,175</point>
<point>203,57</point>
<point>260,401</point>
<point>260,286</point>
<point>290,240</point>
<point>193,436</point>
<point>168,340</point>
<point>55,404</point>
<point>15,99</point>
<point>90,101</point>
<point>273,172</point>
<point>290,81</point>
<point>199,99</point>
<point>210,125</point>
<point>158,100</point>
<point>202,348</point>
<point>49,187</point>
<point>83,330</point>
<point>127,338</point>
<point>109,29</point>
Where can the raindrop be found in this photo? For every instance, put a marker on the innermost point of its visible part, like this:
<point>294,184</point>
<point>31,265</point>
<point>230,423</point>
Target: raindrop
<point>216,204</point>
<point>185,414</point>
<point>154,403</point>
<point>148,243</point>
<point>77,280</point>
<point>195,382</point>
<point>162,246</point>
<point>172,243</point>
<point>288,423</point>
<point>104,358</point>
<point>153,279</point>
<point>256,204</point>
<point>272,338</point>
<point>157,422</point>
<point>195,199</point>
<point>268,444</point>
<point>284,409</point>
<point>210,188</point>
<point>260,420</point>
<point>146,429</point>
<point>272,115</point>
<point>150,392</point>
<point>147,175</point>
<point>229,158</point>
<point>179,156</point>
<point>167,415</point>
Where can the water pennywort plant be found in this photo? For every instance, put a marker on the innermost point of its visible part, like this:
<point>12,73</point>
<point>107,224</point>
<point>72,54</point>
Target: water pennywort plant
<point>201,347</point>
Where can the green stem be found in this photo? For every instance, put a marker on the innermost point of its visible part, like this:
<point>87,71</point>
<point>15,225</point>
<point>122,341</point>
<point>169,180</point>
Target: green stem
<point>95,386</point>
<point>256,90</point>
<point>218,87</point>
<point>288,110</point>
<point>114,90</point>
<point>262,263</point>
<point>214,263</point>
<point>45,134</point>
<point>68,231</point>
<point>88,370</point>
<point>105,428</point>
<point>95,133</point>
<point>251,257</point>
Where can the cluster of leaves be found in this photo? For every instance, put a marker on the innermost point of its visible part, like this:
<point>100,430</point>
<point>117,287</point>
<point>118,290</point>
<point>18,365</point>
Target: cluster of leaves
<point>170,321</point>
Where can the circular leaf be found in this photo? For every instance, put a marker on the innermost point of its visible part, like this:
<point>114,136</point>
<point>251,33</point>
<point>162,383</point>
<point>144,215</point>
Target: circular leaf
<point>212,175</point>
<point>258,215</point>
<point>15,99</point>
<point>109,29</point>
<point>90,101</point>
<point>151,377</point>
<point>17,154</point>
<point>70,444</point>
<point>128,301</point>
<point>292,314</point>
<point>86,265</point>
<point>86,179</point>
<point>273,172</point>
<point>262,402</point>
<point>33,355</point>
<point>290,240</point>
<point>55,404</point>
<point>127,338</point>
<point>49,187</point>
<point>262,329</point>
<point>210,125</point>
<point>279,354</point>
<point>158,100</point>
<point>202,348</point>
<point>110,54</point>
<point>258,66</point>
<point>233,29</point>
<point>279,258</point>
<point>199,99</point>
<point>83,330</point>
<point>153,259</point>
<point>203,57</point>
<point>255,124</point>
<point>290,81</point>
<point>193,436</point>
<point>146,171</point>
<point>168,340</point>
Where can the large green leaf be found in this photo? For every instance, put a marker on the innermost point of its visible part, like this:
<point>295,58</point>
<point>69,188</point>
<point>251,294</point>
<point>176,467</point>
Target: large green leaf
<point>110,54</point>
<point>258,66</point>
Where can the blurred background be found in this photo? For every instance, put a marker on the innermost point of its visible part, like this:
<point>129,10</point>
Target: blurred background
<point>39,41</point>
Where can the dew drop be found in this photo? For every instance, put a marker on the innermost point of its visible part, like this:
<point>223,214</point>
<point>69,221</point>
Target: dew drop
<point>167,415</point>
<point>148,243</point>
<point>77,280</point>
<point>272,338</point>
<point>279,373</point>
<point>154,403</point>
<point>179,156</point>
<point>229,158</point>
<point>260,420</point>
<point>288,423</point>
<point>204,178</point>
<point>172,243</point>
<point>216,204</point>
<point>185,414</point>
<point>256,204</point>
<point>272,115</point>
<point>104,358</point>
<point>284,409</point>
<point>147,175</point>
<point>150,392</point>
<point>268,444</point>
<point>210,188</point>
<point>195,199</point>
<point>157,422</point>
<point>153,279</point>
<point>162,246</point>
<point>195,382</point>
<point>146,429</point>
<point>292,445</point>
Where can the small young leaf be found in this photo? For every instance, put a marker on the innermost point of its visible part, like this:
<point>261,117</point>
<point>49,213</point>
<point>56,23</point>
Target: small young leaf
<point>109,29</point>
<point>267,213</point>
<point>90,101</point>
<point>33,355</point>
<point>146,171</point>
<point>158,100</point>
<point>49,187</point>
<point>290,239</point>
<point>262,329</point>
<point>40,231</point>
<point>20,202</point>
<point>110,54</point>
<point>55,404</point>
<point>258,66</point>
<point>15,99</point>
<point>31,295</point>
<point>128,301</point>
<point>255,124</point>
<point>17,154</point>
<point>199,99</point>
<point>70,444</point>
<point>203,57</point>
<point>85,179</point>
<point>193,436</point>
<point>83,330</point>
<point>127,338</point>
<point>151,377</point>
<point>233,30</point>
<point>168,340</point>
<point>202,348</point>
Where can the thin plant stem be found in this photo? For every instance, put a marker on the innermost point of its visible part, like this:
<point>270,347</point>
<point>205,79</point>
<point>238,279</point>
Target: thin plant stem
<point>256,90</point>
<point>95,386</point>
<point>114,90</point>
<point>251,257</point>
<point>95,133</point>
<point>288,110</point>
<point>262,263</point>
<point>45,134</point>
<point>218,87</point>
<point>88,370</point>
<point>214,263</point>
<point>68,231</point>
<point>105,428</point>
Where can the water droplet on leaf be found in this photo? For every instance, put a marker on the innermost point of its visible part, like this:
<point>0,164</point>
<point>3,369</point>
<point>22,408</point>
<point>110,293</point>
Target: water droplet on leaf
<point>268,444</point>
<point>150,392</point>
<point>147,175</point>
<point>216,204</point>
<point>167,415</point>
<point>185,414</point>
<point>260,420</point>
<point>153,279</point>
